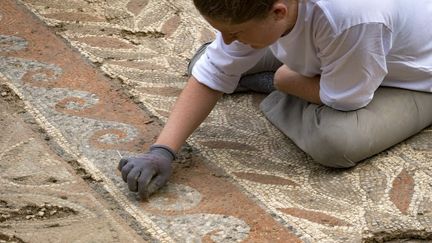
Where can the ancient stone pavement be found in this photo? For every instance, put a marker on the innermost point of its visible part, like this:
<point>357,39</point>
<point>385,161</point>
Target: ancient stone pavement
<point>104,85</point>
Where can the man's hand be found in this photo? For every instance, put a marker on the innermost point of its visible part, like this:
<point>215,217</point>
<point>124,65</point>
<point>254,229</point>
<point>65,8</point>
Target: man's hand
<point>146,173</point>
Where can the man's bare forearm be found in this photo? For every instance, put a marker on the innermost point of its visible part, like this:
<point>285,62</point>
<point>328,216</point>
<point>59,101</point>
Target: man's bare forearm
<point>292,83</point>
<point>193,105</point>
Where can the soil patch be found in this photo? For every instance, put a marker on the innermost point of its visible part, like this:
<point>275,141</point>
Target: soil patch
<point>7,238</point>
<point>33,212</point>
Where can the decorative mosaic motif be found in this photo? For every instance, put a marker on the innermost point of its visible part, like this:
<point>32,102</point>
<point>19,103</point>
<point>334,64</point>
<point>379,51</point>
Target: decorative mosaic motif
<point>76,119</point>
<point>175,198</point>
<point>88,134</point>
<point>40,198</point>
<point>11,43</point>
<point>214,228</point>
<point>147,43</point>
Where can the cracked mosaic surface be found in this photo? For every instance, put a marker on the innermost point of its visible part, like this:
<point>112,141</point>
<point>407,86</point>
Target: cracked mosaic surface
<point>41,198</point>
<point>146,44</point>
<point>87,134</point>
<point>91,122</point>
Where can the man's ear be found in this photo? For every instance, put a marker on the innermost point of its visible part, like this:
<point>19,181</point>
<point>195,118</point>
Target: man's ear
<point>279,10</point>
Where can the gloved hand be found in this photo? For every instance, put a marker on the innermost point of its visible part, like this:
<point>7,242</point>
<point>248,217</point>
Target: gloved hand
<point>146,173</point>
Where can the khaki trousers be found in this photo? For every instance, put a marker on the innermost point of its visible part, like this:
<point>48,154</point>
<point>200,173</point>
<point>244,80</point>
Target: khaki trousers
<point>342,139</point>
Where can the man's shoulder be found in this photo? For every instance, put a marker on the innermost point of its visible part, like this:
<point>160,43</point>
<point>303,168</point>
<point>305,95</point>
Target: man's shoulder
<point>343,15</point>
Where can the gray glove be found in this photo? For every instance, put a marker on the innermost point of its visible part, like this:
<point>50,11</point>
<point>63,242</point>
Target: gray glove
<point>146,173</point>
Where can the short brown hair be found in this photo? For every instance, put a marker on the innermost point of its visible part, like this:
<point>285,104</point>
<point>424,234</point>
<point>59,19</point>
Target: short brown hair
<point>234,11</point>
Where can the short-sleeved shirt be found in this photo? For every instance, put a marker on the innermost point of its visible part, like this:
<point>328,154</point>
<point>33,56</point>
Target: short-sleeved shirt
<point>355,46</point>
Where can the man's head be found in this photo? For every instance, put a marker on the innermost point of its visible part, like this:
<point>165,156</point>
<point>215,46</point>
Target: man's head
<point>258,23</point>
<point>234,11</point>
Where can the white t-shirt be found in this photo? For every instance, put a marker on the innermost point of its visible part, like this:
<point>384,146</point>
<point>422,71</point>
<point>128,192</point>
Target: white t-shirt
<point>356,46</point>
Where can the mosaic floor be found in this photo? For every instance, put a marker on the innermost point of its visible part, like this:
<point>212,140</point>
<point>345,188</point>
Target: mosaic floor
<point>143,46</point>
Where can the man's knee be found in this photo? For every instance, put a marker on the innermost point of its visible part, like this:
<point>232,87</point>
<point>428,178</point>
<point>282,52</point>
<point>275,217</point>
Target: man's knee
<point>332,149</point>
